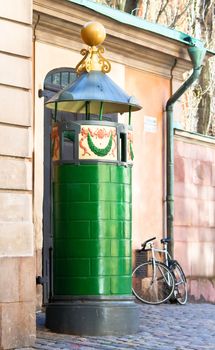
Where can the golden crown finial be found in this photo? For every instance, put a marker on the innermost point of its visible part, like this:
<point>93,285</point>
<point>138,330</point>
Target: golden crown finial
<point>93,34</point>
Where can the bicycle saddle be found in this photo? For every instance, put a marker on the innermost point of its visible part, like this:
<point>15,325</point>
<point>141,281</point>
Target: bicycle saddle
<point>166,240</point>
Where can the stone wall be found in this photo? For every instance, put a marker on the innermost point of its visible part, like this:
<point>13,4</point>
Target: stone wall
<point>195,212</point>
<point>17,265</point>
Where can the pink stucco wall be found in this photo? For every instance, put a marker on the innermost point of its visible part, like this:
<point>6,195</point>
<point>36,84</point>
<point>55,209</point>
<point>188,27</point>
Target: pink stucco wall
<point>195,213</point>
<point>147,178</point>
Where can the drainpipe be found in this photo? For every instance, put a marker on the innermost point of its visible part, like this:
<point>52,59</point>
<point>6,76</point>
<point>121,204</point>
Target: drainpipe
<point>196,54</point>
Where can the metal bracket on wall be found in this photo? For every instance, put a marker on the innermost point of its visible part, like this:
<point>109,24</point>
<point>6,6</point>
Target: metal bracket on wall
<point>40,280</point>
<point>42,93</point>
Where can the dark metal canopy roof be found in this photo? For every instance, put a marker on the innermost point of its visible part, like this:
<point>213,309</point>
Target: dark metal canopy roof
<point>93,87</point>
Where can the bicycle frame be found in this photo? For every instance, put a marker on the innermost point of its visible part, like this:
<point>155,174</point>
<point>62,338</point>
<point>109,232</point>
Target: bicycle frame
<point>154,260</point>
<point>167,256</point>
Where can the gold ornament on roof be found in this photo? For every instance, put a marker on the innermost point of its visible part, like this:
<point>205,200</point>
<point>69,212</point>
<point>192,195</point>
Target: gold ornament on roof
<point>93,34</point>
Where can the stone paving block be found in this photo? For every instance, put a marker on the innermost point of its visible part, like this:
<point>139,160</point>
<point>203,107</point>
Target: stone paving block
<point>160,327</point>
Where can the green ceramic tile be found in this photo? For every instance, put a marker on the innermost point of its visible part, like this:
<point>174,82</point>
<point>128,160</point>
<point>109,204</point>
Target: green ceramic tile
<point>81,248</point>
<point>121,174</point>
<point>82,286</point>
<point>127,229</point>
<point>71,267</point>
<point>121,285</point>
<point>71,192</point>
<point>84,173</point>
<point>121,247</point>
<point>106,192</point>
<point>106,229</point>
<point>110,266</point>
<point>127,194</point>
<point>72,229</point>
<point>81,211</point>
<point>120,211</point>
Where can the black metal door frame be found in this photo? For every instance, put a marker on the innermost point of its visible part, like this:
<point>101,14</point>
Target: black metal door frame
<point>55,80</point>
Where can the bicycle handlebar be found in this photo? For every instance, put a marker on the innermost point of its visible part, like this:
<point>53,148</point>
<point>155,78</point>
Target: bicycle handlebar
<point>163,241</point>
<point>148,240</point>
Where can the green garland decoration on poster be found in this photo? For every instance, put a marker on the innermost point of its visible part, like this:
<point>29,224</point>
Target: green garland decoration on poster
<point>131,151</point>
<point>101,152</point>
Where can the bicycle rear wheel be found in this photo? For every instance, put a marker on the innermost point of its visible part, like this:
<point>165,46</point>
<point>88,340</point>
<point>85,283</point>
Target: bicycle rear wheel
<point>152,283</point>
<point>180,292</point>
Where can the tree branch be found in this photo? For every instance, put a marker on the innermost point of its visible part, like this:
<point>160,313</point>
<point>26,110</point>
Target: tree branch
<point>179,15</point>
<point>162,9</point>
<point>147,8</point>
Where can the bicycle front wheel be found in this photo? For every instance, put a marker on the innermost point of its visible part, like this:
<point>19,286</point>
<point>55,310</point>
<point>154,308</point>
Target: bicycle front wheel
<point>152,283</point>
<point>180,292</point>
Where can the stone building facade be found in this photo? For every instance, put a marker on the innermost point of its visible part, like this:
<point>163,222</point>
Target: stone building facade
<point>42,36</point>
<point>17,258</point>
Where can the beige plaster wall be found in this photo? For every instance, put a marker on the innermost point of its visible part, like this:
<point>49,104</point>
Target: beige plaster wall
<point>17,264</point>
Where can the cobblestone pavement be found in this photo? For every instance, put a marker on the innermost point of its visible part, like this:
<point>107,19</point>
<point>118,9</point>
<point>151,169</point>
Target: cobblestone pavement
<point>162,327</point>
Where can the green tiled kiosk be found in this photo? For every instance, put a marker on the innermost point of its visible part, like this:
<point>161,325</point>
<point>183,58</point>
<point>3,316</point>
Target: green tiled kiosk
<point>92,165</point>
<point>92,235</point>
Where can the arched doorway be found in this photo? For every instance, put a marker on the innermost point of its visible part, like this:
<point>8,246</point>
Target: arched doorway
<point>55,80</point>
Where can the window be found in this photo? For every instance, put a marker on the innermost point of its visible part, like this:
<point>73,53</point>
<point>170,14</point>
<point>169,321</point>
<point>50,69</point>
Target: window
<point>59,78</point>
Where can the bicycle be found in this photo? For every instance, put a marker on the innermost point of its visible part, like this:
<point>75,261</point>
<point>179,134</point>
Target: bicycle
<point>155,282</point>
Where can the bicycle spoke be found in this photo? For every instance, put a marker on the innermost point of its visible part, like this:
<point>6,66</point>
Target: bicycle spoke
<point>152,284</point>
<point>180,292</point>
